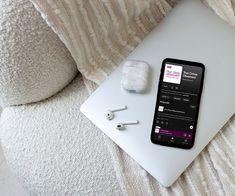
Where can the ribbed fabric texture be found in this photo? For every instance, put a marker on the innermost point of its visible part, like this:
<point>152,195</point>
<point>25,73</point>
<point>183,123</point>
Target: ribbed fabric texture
<point>99,34</point>
<point>224,8</point>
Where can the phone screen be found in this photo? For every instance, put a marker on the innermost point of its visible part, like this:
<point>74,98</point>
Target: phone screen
<point>177,105</point>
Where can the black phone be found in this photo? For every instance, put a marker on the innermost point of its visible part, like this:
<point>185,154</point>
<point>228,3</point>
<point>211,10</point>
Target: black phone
<point>177,106</point>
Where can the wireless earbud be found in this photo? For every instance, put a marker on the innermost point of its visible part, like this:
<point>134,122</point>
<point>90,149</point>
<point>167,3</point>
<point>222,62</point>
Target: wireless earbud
<point>121,126</point>
<point>110,113</point>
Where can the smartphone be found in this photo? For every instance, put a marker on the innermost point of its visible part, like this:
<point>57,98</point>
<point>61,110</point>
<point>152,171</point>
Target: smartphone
<point>177,106</point>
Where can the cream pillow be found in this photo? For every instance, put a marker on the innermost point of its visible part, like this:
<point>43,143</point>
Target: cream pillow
<point>34,63</point>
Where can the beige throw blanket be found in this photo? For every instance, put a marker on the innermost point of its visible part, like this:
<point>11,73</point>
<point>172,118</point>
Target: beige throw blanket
<point>99,34</point>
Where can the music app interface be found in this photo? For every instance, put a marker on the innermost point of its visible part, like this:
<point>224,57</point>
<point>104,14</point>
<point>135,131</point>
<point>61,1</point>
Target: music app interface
<point>177,105</point>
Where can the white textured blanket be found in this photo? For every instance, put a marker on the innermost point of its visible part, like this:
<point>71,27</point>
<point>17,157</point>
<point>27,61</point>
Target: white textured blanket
<point>99,34</point>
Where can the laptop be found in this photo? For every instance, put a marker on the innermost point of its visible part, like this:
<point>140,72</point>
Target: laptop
<point>190,32</point>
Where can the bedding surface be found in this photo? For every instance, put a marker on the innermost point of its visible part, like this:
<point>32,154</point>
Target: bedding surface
<point>54,149</point>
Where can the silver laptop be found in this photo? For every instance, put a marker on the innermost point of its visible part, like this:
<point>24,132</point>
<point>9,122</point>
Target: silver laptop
<point>190,32</point>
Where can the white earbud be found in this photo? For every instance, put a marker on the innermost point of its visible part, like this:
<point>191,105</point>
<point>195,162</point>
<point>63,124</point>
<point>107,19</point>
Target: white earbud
<point>110,113</point>
<point>121,126</point>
